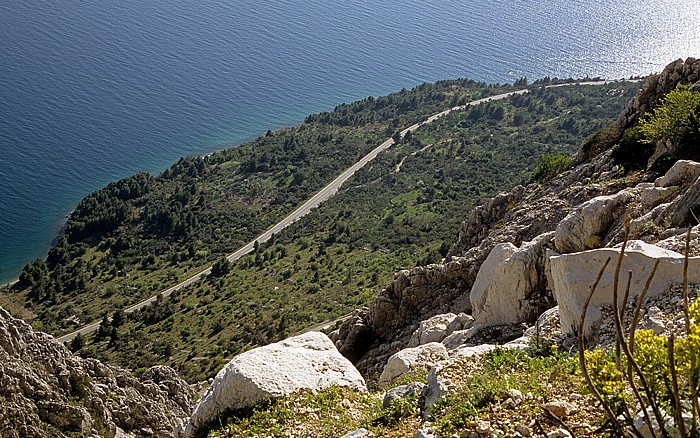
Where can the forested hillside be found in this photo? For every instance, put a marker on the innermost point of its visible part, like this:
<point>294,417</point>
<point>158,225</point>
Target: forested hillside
<point>141,235</point>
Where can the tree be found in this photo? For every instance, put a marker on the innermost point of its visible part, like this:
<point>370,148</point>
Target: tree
<point>113,337</point>
<point>104,328</point>
<point>119,318</point>
<point>77,343</point>
<point>221,267</point>
<point>33,273</point>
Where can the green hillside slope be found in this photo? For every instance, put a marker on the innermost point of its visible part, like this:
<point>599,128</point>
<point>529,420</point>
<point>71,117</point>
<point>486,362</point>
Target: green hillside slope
<point>143,234</point>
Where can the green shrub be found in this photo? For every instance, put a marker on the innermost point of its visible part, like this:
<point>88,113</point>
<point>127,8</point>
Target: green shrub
<point>549,166</point>
<point>676,120</point>
<point>79,385</point>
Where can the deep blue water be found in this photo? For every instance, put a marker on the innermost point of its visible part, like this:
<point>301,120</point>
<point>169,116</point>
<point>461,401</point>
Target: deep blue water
<point>93,91</point>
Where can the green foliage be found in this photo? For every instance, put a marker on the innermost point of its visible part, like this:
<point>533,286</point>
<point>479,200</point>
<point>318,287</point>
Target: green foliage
<point>104,210</point>
<point>482,384</point>
<point>603,139</point>
<point>676,120</point>
<point>104,328</point>
<point>405,105</point>
<point>79,385</point>
<point>77,343</point>
<point>653,356</point>
<point>672,130</point>
<point>521,82</point>
<point>118,318</point>
<point>33,273</point>
<point>221,267</point>
<point>505,369</point>
<point>397,411</point>
<point>631,151</point>
<point>549,166</point>
<point>320,414</point>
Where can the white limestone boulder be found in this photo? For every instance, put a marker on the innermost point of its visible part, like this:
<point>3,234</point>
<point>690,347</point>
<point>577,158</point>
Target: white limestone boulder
<point>573,275</point>
<point>431,330</point>
<point>509,276</point>
<point>439,327</point>
<point>308,361</point>
<point>586,226</point>
<point>412,359</point>
<point>681,173</point>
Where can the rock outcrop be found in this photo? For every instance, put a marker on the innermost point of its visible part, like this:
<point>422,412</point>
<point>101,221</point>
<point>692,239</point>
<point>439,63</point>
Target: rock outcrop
<point>681,71</point>
<point>45,390</point>
<point>506,282</point>
<point>586,226</point>
<point>685,72</point>
<point>516,217</point>
<point>438,327</point>
<point>573,275</point>
<point>308,361</point>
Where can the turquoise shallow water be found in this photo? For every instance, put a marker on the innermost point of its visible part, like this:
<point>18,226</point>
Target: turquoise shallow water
<point>95,91</point>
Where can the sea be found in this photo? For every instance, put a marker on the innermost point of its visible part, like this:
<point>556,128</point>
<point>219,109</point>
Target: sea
<point>94,91</point>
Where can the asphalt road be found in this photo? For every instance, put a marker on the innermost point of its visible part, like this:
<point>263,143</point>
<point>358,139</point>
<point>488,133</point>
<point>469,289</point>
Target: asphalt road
<point>325,193</point>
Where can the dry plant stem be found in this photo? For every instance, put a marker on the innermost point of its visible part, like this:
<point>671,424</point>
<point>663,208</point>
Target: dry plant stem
<point>618,356</point>
<point>638,308</point>
<point>558,420</point>
<point>582,357</point>
<point>625,300</point>
<point>633,329</point>
<point>686,304</point>
<point>677,409</point>
<point>615,306</point>
<point>628,353</point>
<point>540,427</point>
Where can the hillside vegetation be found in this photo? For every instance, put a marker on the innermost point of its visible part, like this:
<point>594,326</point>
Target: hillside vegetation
<point>143,234</point>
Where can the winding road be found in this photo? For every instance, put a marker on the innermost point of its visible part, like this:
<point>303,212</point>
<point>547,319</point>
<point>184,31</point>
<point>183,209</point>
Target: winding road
<point>324,194</point>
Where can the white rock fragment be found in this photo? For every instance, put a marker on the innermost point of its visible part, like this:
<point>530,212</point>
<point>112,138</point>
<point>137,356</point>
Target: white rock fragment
<point>585,226</point>
<point>413,389</point>
<point>359,433</point>
<point>561,409</point>
<point>559,433</point>
<point>439,327</point>
<point>523,430</point>
<point>412,359</point>
<point>483,427</point>
<point>682,171</point>
<point>426,432</point>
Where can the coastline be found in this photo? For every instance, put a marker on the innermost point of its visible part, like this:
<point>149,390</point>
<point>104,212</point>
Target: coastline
<point>9,283</point>
<point>60,226</point>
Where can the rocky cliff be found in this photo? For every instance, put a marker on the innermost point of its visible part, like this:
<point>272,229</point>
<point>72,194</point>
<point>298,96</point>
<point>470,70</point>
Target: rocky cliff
<point>45,390</point>
<point>583,208</point>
